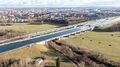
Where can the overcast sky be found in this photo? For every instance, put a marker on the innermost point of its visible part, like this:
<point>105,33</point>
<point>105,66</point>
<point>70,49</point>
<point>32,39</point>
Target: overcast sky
<point>59,3</point>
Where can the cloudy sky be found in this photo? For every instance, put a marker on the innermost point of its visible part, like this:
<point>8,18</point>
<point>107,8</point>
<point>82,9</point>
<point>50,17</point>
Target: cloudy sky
<point>59,3</point>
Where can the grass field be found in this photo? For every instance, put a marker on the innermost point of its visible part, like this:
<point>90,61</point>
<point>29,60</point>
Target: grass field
<point>107,43</point>
<point>34,51</point>
<point>37,50</point>
<point>29,28</point>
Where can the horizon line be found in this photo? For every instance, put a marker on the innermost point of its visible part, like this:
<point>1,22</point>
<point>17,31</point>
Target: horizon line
<point>62,7</point>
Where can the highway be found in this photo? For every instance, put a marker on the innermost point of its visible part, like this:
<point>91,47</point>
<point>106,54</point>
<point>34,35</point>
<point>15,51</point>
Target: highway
<point>52,36</point>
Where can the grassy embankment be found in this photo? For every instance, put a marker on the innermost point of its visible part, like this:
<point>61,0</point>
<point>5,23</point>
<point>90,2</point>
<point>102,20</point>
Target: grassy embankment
<point>37,50</point>
<point>102,42</point>
<point>106,43</point>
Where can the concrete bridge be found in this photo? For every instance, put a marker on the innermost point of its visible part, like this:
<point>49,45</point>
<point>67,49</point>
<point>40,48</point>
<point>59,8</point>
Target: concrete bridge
<point>53,34</point>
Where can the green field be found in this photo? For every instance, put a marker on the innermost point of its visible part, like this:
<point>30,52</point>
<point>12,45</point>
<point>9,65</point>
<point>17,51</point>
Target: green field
<point>29,28</point>
<point>107,43</point>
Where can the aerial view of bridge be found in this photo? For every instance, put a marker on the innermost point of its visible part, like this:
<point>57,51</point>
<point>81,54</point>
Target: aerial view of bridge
<point>45,36</point>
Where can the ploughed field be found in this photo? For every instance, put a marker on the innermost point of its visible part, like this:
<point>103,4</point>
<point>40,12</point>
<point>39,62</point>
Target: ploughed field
<point>106,43</point>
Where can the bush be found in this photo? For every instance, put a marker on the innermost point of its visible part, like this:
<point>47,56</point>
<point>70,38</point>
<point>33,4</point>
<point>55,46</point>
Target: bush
<point>26,62</point>
<point>35,23</point>
<point>5,24</point>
